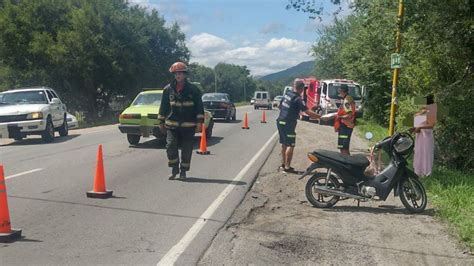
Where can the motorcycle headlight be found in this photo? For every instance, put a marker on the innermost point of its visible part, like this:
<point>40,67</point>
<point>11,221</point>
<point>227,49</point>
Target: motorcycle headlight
<point>35,115</point>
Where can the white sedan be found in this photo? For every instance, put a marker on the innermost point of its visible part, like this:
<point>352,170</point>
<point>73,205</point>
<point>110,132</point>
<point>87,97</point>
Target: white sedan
<point>71,121</point>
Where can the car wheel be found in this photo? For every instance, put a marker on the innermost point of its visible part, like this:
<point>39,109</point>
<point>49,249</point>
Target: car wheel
<point>18,138</point>
<point>64,129</point>
<point>255,107</point>
<point>133,139</point>
<point>234,117</point>
<point>48,133</point>
<point>227,117</point>
<point>209,129</point>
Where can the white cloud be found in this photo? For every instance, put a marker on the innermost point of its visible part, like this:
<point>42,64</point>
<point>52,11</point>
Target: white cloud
<point>261,58</point>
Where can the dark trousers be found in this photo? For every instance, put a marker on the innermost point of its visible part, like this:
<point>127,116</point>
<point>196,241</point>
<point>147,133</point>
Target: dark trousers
<point>176,138</point>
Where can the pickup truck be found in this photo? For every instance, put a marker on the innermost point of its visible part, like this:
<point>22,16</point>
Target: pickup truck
<point>32,111</point>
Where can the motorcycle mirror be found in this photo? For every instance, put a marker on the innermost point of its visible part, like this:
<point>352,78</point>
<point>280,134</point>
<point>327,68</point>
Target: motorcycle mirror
<point>369,135</point>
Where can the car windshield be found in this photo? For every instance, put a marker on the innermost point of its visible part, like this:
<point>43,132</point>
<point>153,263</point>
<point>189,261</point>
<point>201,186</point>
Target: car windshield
<point>215,97</point>
<point>354,91</point>
<point>148,99</point>
<point>24,97</point>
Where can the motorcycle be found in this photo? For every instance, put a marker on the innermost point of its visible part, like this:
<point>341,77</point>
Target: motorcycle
<point>343,176</point>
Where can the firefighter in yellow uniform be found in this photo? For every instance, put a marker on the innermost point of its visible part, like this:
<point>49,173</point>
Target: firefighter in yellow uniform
<point>345,120</point>
<point>181,112</point>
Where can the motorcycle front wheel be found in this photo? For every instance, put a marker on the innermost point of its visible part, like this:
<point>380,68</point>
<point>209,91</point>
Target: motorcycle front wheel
<point>413,195</point>
<point>321,200</point>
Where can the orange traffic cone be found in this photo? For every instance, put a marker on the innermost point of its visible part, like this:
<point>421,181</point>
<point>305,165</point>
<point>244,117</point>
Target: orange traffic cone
<point>7,234</point>
<point>264,118</point>
<point>203,147</point>
<point>246,122</point>
<point>99,190</point>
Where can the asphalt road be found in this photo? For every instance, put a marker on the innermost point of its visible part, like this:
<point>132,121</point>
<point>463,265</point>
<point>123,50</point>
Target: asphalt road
<point>148,215</point>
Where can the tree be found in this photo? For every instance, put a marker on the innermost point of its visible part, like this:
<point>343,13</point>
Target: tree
<point>89,51</point>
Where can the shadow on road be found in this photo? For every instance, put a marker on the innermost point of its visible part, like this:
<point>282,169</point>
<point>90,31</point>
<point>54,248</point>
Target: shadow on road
<point>223,121</point>
<point>380,209</point>
<point>209,180</point>
<point>159,144</point>
<point>36,141</point>
<point>150,144</point>
<point>111,208</point>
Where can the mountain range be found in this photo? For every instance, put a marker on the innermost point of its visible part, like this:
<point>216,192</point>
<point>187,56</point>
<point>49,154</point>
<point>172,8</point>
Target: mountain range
<point>300,70</point>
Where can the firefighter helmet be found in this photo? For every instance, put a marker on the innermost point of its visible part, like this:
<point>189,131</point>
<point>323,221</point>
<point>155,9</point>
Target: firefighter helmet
<point>178,67</point>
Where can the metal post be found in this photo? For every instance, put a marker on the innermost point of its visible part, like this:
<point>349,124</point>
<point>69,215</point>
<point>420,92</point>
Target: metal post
<point>215,80</point>
<point>245,90</point>
<point>396,71</point>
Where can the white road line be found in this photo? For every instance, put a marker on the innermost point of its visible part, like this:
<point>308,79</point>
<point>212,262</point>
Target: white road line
<point>24,173</point>
<point>173,254</point>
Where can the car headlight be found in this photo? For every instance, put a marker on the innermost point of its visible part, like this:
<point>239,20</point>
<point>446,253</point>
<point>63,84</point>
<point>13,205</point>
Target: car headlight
<point>35,115</point>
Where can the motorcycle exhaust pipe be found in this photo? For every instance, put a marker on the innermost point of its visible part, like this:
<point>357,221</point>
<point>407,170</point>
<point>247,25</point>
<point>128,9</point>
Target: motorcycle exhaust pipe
<point>322,189</point>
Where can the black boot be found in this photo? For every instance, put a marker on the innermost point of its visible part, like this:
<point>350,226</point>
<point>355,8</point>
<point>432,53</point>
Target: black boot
<point>173,174</point>
<point>182,174</point>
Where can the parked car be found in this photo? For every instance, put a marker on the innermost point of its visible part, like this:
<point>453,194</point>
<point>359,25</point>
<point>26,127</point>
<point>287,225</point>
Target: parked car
<point>71,121</point>
<point>141,118</point>
<point>262,99</point>
<point>33,111</point>
<point>277,100</point>
<point>219,105</point>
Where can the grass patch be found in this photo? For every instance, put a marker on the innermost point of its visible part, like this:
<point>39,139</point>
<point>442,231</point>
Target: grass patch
<point>364,126</point>
<point>450,191</point>
<point>241,103</point>
<point>102,122</point>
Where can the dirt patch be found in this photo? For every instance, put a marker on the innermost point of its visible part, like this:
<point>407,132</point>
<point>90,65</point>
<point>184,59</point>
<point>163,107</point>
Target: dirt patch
<point>275,224</point>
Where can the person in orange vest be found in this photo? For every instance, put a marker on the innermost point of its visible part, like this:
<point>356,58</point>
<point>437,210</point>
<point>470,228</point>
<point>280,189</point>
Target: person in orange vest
<point>345,120</point>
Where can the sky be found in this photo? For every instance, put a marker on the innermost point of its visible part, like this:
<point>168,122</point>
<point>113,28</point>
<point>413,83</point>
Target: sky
<point>261,34</point>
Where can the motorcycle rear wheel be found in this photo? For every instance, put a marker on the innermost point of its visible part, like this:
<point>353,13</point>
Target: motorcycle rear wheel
<point>321,200</point>
<point>413,195</point>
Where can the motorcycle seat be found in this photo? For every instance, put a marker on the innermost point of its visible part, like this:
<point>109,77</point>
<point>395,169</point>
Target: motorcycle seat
<point>357,160</point>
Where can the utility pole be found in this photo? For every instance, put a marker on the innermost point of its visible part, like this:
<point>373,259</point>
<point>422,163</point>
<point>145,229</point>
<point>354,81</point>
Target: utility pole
<point>245,91</point>
<point>215,80</point>
<point>396,65</point>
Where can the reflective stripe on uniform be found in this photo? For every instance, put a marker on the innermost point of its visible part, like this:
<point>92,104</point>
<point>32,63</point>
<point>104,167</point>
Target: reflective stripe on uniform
<point>282,122</point>
<point>200,116</point>
<point>188,103</point>
<point>343,136</point>
<point>188,124</point>
<point>178,104</point>
<point>173,161</point>
<point>185,164</point>
<point>340,146</point>
<point>171,123</point>
<point>291,136</point>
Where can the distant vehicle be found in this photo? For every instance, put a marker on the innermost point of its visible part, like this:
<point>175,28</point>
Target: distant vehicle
<point>262,99</point>
<point>141,118</point>
<point>252,101</point>
<point>71,121</point>
<point>277,100</point>
<point>330,99</point>
<point>219,105</point>
<point>32,111</point>
<point>286,89</point>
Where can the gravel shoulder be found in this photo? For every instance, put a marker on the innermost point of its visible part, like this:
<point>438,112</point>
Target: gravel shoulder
<point>275,224</point>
